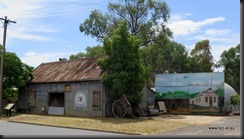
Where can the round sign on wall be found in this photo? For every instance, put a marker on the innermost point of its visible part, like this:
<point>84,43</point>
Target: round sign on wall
<point>80,99</point>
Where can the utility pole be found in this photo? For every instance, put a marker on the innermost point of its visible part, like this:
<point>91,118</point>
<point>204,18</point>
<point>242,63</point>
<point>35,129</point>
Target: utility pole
<point>6,21</point>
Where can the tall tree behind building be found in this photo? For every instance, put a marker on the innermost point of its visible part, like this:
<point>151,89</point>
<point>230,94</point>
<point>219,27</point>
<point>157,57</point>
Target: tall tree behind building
<point>202,59</point>
<point>125,73</point>
<point>230,60</point>
<point>145,19</point>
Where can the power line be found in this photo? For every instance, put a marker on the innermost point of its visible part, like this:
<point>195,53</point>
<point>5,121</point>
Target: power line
<point>6,21</point>
<point>51,10</point>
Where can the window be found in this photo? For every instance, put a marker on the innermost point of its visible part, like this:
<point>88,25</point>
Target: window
<point>206,99</point>
<point>214,99</point>
<point>31,99</point>
<point>96,99</point>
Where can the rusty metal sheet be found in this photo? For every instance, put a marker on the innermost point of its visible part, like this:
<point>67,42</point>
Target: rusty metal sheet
<point>66,71</point>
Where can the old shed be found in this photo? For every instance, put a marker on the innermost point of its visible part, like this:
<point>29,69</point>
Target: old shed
<point>69,87</point>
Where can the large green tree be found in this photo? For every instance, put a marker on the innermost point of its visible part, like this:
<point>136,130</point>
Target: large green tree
<point>202,59</point>
<point>15,75</point>
<point>94,52</point>
<point>230,60</point>
<point>125,73</point>
<point>165,57</point>
<point>145,19</point>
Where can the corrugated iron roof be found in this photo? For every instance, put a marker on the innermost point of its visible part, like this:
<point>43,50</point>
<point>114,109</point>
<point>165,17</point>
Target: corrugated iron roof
<point>66,71</point>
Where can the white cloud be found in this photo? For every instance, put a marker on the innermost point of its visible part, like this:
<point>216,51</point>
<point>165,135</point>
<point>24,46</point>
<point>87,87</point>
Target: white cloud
<point>185,27</point>
<point>20,9</point>
<point>178,17</point>
<point>35,59</point>
<point>26,34</point>
<point>212,39</point>
<point>217,32</point>
<point>217,50</point>
<point>30,54</point>
<point>173,84</point>
<point>197,82</point>
<point>25,10</point>
<point>31,32</point>
<point>45,29</point>
<point>211,21</point>
<point>216,82</point>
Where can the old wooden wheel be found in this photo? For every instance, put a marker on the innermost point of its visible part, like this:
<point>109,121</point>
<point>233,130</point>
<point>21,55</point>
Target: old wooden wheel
<point>118,109</point>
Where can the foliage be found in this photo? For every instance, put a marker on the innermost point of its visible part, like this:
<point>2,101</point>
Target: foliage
<point>175,95</point>
<point>76,56</point>
<point>230,60</point>
<point>94,52</point>
<point>220,93</point>
<point>125,72</point>
<point>62,59</point>
<point>15,75</point>
<point>145,19</point>
<point>220,90</point>
<point>165,57</point>
<point>235,99</point>
<point>202,58</point>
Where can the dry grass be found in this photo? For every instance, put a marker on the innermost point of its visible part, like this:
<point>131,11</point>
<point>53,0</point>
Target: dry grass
<point>126,125</point>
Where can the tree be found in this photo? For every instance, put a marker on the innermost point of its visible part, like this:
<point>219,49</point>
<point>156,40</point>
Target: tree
<point>94,52</point>
<point>202,54</point>
<point>230,60</point>
<point>165,57</point>
<point>15,75</point>
<point>125,72</point>
<point>145,19</point>
<point>76,56</point>
<point>193,64</point>
<point>235,99</point>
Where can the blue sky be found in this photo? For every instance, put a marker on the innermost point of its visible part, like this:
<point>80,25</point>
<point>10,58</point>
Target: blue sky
<point>49,29</point>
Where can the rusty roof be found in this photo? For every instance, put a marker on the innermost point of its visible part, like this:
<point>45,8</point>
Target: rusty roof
<point>67,71</point>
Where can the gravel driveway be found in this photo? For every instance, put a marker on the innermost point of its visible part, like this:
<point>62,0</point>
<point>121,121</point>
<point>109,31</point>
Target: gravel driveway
<point>215,126</point>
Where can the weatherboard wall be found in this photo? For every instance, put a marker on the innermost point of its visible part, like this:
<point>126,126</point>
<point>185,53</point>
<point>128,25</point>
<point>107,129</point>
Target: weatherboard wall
<point>71,105</point>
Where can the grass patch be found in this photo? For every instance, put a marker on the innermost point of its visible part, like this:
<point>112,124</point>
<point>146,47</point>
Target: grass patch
<point>125,125</point>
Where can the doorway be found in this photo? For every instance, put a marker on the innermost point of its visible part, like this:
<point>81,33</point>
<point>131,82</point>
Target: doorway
<point>56,99</point>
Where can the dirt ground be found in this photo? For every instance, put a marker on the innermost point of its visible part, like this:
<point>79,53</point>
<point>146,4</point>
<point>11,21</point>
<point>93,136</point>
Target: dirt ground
<point>191,119</point>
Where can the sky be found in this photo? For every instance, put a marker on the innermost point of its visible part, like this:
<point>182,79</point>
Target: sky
<point>47,30</point>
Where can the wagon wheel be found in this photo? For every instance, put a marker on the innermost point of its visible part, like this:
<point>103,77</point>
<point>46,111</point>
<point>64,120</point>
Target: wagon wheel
<point>108,109</point>
<point>118,109</point>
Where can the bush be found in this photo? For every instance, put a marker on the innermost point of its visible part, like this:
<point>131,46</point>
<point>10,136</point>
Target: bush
<point>235,99</point>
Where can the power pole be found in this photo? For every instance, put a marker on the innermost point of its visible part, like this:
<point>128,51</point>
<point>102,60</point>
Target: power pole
<point>6,21</point>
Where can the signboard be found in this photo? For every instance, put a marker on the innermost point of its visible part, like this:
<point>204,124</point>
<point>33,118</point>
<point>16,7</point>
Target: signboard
<point>9,106</point>
<point>67,88</point>
<point>191,92</point>
<point>80,99</point>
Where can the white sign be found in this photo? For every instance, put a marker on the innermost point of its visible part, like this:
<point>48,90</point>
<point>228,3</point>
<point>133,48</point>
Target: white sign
<point>80,99</point>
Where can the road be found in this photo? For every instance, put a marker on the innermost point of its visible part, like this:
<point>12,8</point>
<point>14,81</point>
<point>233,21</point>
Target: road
<point>227,126</point>
<point>9,129</point>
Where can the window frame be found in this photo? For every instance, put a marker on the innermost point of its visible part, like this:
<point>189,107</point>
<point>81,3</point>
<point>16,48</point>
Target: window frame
<point>96,99</point>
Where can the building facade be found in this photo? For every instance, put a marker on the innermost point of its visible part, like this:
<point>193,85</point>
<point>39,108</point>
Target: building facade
<point>70,87</point>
